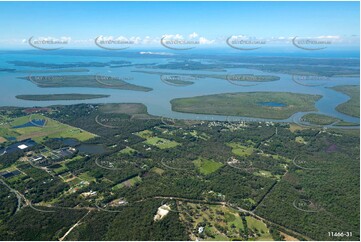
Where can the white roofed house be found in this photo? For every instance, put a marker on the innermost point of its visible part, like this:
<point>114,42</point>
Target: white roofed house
<point>22,147</point>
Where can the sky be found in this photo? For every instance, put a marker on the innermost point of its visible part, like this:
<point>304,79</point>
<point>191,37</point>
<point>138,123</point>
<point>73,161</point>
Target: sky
<point>209,23</point>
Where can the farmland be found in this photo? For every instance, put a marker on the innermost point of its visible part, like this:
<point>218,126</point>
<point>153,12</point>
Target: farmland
<point>221,180</point>
<point>39,127</point>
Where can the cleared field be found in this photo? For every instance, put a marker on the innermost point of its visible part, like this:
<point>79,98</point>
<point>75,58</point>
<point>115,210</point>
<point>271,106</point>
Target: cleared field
<point>157,170</point>
<point>273,105</point>
<point>61,169</point>
<point>128,183</point>
<point>221,223</point>
<point>207,166</point>
<point>294,127</point>
<point>263,173</point>
<point>86,177</point>
<point>145,134</point>
<point>161,143</point>
<point>258,227</point>
<point>241,150</point>
<point>39,127</point>
<point>300,140</point>
<point>277,157</point>
<point>128,150</point>
<point>197,135</point>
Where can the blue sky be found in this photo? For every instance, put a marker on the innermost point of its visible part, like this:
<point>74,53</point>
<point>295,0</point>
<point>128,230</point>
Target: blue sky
<point>210,22</point>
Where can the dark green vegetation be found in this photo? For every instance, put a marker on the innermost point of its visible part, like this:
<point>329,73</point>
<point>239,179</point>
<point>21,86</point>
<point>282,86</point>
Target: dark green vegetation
<point>352,106</point>
<point>303,189</point>
<point>53,97</point>
<point>291,66</point>
<point>219,222</point>
<point>7,70</point>
<point>84,81</point>
<point>177,82</point>
<point>131,223</point>
<point>248,104</point>
<point>321,192</point>
<point>344,123</point>
<point>68,65</point>
<point>29,224</point>
<point>54,70</point>
<point>327,71</point>
<point>319,119</point>
<point>230,77</point>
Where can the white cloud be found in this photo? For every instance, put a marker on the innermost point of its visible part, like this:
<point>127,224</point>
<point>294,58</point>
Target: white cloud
<point>203,40</point>
<point>173,36</point>
<point>193,35</point>
<point>329,37</point>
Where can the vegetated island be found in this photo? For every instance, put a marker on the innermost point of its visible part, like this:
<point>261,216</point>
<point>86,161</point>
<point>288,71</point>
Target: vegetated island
<point>54,70</point>
<point>289,66</point>
<point>352,106</point>
<point>230,77</point>
<point>345,123</point>
<point>67,65</point>
<point>321,119</point>
<point>273,105</point>
<point>329,71</point>
<point>96,81</point>
<point>176,82</point>
<point>190,65</point>
<point>58,97</point>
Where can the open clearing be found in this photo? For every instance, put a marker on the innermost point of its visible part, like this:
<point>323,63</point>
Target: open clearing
<point>217,222</point>
<point>207,166</point>
<point>161,143</point>
<point>157,170</point>
<point>128,150</point>
<point>39,127</point>
<point>128,183</point>
<point>241,150</point>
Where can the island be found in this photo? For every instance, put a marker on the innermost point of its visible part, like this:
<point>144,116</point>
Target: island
<point>93,81</point>
<point>352,106</point>
<point>319,119</point>
<point>272,105</point>
<point>58,97</point>
<point>230,77</point>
